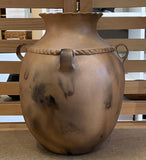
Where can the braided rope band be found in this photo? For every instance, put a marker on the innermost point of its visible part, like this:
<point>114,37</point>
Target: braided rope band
<point>76,52</point>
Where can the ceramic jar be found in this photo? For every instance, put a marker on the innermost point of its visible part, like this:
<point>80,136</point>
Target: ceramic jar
<point>71,84</point>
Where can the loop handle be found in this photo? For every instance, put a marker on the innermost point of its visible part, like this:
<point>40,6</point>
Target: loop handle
<point>18,51</point>
<point>66,60</point>
<point>127,52</point>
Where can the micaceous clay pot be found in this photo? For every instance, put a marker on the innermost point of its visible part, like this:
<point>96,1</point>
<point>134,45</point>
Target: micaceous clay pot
<point>71,84</point>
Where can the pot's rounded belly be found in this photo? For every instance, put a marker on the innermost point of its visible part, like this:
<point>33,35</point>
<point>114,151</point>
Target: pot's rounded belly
<point>71,112</point>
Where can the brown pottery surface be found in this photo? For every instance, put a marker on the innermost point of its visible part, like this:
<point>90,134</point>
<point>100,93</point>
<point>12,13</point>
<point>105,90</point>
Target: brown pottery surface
<point>71,85</point>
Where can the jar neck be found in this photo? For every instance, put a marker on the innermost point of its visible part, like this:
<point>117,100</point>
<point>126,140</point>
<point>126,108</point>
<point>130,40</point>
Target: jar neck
<point>71,30</point>
<point>82,23</point>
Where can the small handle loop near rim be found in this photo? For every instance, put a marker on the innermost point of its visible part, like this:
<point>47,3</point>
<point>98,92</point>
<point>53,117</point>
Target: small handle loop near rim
<point>127,51</point>
<point>18,51</point>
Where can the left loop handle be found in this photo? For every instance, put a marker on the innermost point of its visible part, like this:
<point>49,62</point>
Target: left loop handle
<point>18,51</point>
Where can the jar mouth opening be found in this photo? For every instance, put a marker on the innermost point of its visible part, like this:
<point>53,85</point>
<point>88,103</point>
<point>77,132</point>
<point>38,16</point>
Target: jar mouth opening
<point>71,13</point>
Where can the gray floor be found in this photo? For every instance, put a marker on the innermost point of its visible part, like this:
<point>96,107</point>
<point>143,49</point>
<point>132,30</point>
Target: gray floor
<point>123,144</point>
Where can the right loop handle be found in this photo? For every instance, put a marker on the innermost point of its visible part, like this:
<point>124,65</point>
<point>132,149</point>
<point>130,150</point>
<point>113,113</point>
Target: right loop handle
<point>18,51</point>
<point>127,51</point>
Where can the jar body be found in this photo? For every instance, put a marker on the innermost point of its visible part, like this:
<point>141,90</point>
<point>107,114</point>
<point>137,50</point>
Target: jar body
<point>71,112</point>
